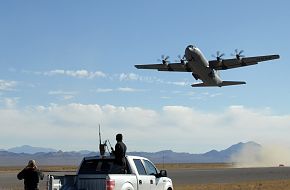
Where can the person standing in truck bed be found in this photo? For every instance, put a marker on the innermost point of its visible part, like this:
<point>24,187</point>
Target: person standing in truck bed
<point>120,152</point>
<point>31,175</point>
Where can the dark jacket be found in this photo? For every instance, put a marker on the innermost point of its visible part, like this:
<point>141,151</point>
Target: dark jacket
<point>120,152</point>
<point>31,178</point>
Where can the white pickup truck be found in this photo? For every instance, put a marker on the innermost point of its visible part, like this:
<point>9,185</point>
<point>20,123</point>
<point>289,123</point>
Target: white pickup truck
<point>97,173</point>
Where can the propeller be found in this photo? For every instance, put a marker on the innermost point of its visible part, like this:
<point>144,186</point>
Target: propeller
<point>181,59</point>
<point>218,56</point>
<point>238,54</point>
<point>164,59</point>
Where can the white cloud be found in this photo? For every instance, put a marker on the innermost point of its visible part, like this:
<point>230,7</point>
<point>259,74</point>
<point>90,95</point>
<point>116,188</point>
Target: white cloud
<point>127,89</point>
<point>68,97</point>
<point>215,95</point>
<point>120,89</point>
<point>123,77</point>
<point>202,96</point>
<point>102,90</point>
<point>135,77</point>
<point>6,85</point>
<point>130,76</point>
<point>165,97</point>
<point>9,102</point>
<point>181,83</point>
<point>61,92</point>
<point>74,126</point>
<point>77,73</point>
<point>65,95</point>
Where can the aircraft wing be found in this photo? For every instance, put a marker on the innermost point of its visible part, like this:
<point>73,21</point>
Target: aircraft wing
<point>178,67</point>
<point>234,63</point>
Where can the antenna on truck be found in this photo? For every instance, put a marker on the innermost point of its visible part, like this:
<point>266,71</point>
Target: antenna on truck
<point>112,150</point>
<point>102,147</point>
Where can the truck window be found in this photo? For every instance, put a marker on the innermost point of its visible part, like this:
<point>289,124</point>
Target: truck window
<point>97,166</point>
<point>150,168</point>
<point>140,168</point>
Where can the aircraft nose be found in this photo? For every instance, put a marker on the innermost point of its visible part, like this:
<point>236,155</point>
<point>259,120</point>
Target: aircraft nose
<point>190,47</point>
<point>189,51</point>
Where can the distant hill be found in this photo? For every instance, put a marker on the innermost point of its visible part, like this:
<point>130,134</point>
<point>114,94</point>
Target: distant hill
<point>30,150</point>
<point>45,157</point>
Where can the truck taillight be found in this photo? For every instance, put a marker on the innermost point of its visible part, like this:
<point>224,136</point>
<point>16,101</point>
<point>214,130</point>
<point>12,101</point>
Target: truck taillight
<point>110,184</point>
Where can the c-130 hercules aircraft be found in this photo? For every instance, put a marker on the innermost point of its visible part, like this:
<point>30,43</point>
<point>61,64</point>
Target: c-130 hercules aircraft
<point>195,62</point>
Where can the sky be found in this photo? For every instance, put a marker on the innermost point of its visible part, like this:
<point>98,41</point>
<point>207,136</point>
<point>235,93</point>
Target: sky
<point>68,66</point>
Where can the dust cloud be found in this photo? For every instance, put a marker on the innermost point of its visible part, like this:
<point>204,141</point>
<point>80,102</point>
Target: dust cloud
<point>264,156</point>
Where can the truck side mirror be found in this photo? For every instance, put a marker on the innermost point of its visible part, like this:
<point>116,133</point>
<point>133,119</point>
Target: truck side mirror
<point>163,173</point>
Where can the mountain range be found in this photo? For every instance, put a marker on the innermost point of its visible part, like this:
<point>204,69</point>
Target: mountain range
<point>46,156</point>
<point>30,150</point>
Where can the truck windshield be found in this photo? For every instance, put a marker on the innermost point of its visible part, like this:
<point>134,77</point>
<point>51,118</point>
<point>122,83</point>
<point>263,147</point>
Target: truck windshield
<point>96,166</point>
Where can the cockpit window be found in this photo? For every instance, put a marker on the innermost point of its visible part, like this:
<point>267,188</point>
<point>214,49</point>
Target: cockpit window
<point>191,46</point>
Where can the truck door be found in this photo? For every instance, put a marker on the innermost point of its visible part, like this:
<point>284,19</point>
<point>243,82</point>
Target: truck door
<point>143,180</point>
<point>155,183</point>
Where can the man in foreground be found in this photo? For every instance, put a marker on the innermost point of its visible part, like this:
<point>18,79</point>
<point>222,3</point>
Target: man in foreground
<point>31,176</point>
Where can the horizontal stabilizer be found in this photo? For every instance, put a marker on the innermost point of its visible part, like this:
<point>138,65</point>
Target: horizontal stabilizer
<point>229,83</point>
<point>224,83</point>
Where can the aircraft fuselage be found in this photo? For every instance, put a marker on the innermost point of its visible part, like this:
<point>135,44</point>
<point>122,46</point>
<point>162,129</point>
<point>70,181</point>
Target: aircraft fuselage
<point>200,67</point>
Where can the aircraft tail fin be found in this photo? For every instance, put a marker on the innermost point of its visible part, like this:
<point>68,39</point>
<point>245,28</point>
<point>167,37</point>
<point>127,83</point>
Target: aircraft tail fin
<point>224,83</point>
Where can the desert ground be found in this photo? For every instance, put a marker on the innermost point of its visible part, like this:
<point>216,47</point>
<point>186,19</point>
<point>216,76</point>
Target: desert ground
<point>8,180</point>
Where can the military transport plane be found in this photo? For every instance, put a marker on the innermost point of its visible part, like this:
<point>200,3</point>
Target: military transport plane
<point>195,62</point>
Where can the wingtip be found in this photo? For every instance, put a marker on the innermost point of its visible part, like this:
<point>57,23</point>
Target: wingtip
<point>276,56</point>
